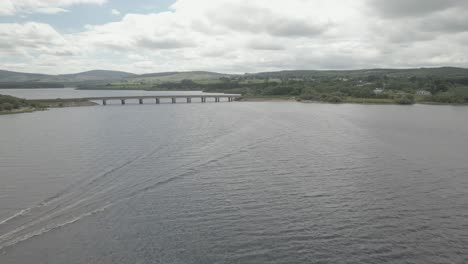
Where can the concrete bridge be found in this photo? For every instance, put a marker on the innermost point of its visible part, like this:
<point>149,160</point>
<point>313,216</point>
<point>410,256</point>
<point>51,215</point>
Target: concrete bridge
<point>157,98</point>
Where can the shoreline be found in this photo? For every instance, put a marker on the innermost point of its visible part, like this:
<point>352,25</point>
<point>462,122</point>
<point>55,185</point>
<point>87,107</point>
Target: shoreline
<point>359,101</point>
<point>59,103</point>
<point>267,99</point>
<point>19,111</point>
<point>45,104</point>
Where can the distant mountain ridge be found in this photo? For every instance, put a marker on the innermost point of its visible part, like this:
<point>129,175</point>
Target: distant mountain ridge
<point>416,72</point>
<point>94,75</point>
<point>162,74</point>
<point>110,76</point>
<point>11,76</point>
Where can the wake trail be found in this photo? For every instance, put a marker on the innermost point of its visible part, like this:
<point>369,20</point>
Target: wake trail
<point>69,191</point>
<point>7,243</point>
<point>20,213</point>
<point>89,193</point>
<point>95,195</point>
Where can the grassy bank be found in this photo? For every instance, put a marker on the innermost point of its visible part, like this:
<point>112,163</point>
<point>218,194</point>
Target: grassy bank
<point>19,110</point>
<point>349,100</point>
<point>266,98</point>
<point>14,105</point>
<point>56,103</point>
<point>352,100</point>
<point>346,100</point>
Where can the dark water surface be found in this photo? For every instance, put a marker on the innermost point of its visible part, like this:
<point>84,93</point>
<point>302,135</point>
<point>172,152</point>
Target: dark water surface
<point>235,183</point>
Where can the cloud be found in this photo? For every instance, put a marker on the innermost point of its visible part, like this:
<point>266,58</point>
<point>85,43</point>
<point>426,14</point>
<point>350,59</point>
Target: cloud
<point>246,36</point>
<point>7,7</point>
<point>115,12</point>
<point>426,22</point>
<point>248,18</point>
<point>12,7</point>
<point>412,8</point>
<point>33,39</point>
<point>448,21</point>
<point>163,43</point>
<point>260,44</point>
<point>50,10</point>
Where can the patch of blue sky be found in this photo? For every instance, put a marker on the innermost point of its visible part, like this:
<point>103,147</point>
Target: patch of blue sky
<point>78,16</point>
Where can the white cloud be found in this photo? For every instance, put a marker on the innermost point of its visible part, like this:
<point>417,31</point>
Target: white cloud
<point>264,44</point>
<point>7,7</point>
<point>12,7</point>
<point>33,39</point>
<point>115,12</point>
<point>411,8</point>
<point>245,36</point>
<point>50,10</point>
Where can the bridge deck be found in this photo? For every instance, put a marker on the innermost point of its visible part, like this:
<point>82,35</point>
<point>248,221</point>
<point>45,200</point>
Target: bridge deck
<point>162,96</point>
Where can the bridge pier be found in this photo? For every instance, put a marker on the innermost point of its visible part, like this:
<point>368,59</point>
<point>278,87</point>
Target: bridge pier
<point>174,97</point>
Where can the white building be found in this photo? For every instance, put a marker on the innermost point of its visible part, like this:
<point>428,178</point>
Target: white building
<point>423,93</point>
<point>378,91</point>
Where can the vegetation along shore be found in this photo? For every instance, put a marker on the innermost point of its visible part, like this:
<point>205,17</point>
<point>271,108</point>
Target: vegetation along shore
<point>14,105</point>
<point>445,85</point>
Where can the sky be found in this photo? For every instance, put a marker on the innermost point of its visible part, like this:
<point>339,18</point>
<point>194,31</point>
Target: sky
<point>230,36</point>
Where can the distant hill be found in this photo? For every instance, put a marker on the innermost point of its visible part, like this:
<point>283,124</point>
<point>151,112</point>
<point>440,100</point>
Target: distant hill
<point>124,80</point>
<point>178,76</point>
<point>443,72</point>
<point>107,76</point>
<point>95,75</point>
<point>10,76</point>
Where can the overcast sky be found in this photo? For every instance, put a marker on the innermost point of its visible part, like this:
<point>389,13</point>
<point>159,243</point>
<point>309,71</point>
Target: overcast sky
<point>233,36</point>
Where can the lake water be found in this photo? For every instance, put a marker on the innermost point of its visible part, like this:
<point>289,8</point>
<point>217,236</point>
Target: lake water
<point>241,182</point>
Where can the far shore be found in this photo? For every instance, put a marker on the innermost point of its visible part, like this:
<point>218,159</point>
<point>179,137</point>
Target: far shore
<point>363,101</point>
<point>266,99</point>
<point>44,104</point>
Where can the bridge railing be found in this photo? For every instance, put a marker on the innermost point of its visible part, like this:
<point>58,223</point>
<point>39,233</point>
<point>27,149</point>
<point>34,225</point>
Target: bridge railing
<point>157,98</point>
